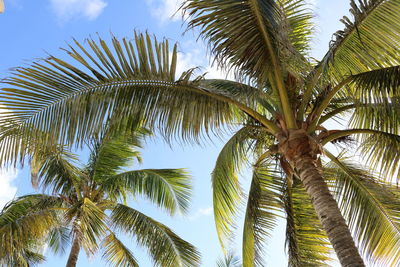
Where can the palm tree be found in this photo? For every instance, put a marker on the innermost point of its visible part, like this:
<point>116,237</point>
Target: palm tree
<point>88,208</point>
<point>283,101</point>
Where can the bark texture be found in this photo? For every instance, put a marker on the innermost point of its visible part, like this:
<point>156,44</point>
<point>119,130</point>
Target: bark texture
<point>301,151</point>
<point>73,255</point>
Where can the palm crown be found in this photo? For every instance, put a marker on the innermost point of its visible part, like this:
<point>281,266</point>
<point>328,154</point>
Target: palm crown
<point>283,102</point>
<point>88,207</point>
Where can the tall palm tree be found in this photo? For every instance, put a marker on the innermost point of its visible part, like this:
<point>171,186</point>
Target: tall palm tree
<point>283,99</point>
<point>88,208</point>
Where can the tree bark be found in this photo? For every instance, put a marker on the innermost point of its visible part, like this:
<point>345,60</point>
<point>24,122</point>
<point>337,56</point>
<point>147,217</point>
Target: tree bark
<point>301,151</point>
<point>73,255</point>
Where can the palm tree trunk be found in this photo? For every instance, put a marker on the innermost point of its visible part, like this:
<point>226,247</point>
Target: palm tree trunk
<point>301,151</point>
<point>73,255</point>
<point>328,212</point>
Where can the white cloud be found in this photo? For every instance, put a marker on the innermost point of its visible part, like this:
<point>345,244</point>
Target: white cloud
<point>196,57</point>
<point>68,9</point>
<point>165,10</point>
<point>7,190</point>
<point>201,213</point>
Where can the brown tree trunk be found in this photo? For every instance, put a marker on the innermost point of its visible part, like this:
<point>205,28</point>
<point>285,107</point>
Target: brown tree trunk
<point>301,151</point>
<point>73,255</point>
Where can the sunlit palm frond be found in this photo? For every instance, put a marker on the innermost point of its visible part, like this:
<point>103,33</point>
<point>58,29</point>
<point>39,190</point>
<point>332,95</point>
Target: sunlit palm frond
<point>90,225</point>
<point>225,182</point>
<point>306,240</point>
<point>165,247</point>
<point>237,29</point>
<point>369,41</point>
<point>381,117</point>
<point>168,188</point>
<point>263,207</point>
<point>114,152</point>
<point>381,152</point>
<point>24,224</point>
<point>370,207</point>
<point>116,253</point>
<point>299,15</point>
<point>55,168</point>
<point>71,101</point>
<point>377,86</point>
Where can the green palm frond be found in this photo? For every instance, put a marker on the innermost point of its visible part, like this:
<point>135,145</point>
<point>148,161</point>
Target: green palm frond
<point>371,208</point>
<point>116,253</point>
<point>267,30</point>
<point>24,223</point>
<point>380,116</point>
<point>59,238</point>
<point>377,86</point>
<point>369,41</point>
<point>263,207</point>
<point>225,182</point>
<point>382,153</point>
<point>165,247</point>
<point>168,188</point>
<point>229,260</point>
<point>114,152</point>
<point>299,17</point>
<point>306,240</point>
<point>71,103</point>
<point>90,225</point>
<point>55,167</point>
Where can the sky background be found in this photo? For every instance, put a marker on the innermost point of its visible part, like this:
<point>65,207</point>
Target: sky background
<point>31,29</point>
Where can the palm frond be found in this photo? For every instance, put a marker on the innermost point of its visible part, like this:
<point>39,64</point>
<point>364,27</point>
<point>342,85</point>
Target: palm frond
<point>225,183</point>
<point>369,41</point>
<point>25,223</point>
<point>306,240</point>
<point>55,167</point>
<point>165,247</point>
<point>263,207</point>
<point>381,152</point>
<point>71,101</point>
<point>370,207</point>
<point>168,188</point>
<point>300,27</point>
<point>90,224</point>
<point>58,239</point>
<point>116,253</point>
<point>380,116</point>
<point>236,29</point>
<point>229,260</point>
<point>114,152</point>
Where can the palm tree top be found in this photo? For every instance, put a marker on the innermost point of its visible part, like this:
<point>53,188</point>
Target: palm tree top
<point>282,102</point>
<point>88,206</point>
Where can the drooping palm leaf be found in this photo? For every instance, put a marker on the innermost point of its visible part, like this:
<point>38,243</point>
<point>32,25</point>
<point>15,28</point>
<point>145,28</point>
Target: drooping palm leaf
<point>74,103</point>
<point>165,247</point>
<point>168,188</point>
<point>263,207</point>
<point>369,41</point>
<point>306,240</point>
<point>116,253</point>
<point>226,186</point>
<point>370,207</point>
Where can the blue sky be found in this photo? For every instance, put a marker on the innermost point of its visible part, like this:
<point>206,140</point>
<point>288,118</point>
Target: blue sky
<point>31,29</point>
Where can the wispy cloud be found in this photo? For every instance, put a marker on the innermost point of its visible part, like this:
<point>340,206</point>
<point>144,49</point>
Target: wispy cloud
<point>165,10</point>
<point>202,212</point>
<point>68,9</point>
<point>7,190</point>
<point>194,55</point>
